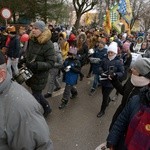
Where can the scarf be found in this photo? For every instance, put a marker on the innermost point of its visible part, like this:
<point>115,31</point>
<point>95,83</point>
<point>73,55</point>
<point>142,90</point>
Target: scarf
<point>112,57</point>
<point>139,81</point>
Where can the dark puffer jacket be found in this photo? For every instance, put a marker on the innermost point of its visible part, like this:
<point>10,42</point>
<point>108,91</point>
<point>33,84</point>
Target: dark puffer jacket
<point>127,91</point>
<point>118,69</point>
<point>136,104</point>
<point>43,49</point>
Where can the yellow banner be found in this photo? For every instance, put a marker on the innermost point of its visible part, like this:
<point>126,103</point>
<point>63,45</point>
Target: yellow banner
<point>107,24</point>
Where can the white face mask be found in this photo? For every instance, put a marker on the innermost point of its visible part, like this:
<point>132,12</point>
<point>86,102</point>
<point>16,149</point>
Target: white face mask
<point>139,81</point>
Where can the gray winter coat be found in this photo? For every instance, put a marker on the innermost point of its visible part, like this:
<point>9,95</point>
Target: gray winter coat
<point>22,125</point>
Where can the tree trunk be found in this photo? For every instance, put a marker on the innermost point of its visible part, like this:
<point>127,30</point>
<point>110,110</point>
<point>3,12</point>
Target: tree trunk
<point>77,22</point>
<point>100,14</point>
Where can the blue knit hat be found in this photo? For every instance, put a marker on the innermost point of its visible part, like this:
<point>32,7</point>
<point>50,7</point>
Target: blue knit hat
<point>40,25</point>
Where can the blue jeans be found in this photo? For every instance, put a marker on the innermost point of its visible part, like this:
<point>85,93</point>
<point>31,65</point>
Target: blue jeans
<point>96,81</point>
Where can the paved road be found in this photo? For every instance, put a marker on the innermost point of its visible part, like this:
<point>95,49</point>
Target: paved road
<point>76,127</point>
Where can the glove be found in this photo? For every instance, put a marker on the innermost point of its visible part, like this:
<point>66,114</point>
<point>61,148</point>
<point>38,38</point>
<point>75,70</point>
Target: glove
<point>31,66</point>
<point>67,68</point>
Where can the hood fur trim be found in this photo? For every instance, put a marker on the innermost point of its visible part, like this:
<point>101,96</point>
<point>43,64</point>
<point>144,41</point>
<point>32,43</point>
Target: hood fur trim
<point>44,37</point>
<point>83,35</point>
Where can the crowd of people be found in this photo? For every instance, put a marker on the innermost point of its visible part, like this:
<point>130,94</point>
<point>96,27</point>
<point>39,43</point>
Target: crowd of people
<point>50,52</point>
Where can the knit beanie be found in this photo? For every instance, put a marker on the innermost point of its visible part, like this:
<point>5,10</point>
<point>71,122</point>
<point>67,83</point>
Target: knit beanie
<point>40,25</point>
<point>113,47</point>
<point>2,59</point>
<point>142,66</point>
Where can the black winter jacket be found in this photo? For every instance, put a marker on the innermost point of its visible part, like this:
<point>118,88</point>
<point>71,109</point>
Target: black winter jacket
<point>43,49</point>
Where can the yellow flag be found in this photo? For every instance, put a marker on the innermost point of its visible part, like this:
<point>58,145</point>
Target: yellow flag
<point>87,19</point>
<point>107,22</point>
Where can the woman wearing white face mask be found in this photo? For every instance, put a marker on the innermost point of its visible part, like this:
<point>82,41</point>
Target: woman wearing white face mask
<point>140,77</point>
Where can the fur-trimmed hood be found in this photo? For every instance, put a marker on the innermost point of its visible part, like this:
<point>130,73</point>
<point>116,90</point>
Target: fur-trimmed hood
<point>43,38</point>
<point>83,36</point>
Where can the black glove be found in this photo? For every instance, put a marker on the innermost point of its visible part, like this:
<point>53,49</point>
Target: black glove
<point>113,76</point>
<point>31,66</point>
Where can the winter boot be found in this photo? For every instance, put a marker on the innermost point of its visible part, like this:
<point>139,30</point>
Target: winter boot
<point>63,103</point>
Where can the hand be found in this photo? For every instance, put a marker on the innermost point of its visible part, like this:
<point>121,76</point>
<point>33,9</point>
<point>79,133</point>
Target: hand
<point>112,76</point>
<point>32,66</point>
<point>111,148</point>
<point>109,77</point>
<point>67,68</point>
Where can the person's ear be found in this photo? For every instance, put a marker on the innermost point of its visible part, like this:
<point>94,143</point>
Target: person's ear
<point>2,75</point>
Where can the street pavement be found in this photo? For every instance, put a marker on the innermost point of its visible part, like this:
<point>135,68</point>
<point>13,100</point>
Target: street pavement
<point>76,127</point>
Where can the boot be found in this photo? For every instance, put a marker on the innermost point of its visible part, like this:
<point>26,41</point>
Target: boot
<point>100,114</point>
<point>63,103</point>
<point>47,112</point>
<point>47,95</point>
<point>57,89</point>
<point>74,95</point>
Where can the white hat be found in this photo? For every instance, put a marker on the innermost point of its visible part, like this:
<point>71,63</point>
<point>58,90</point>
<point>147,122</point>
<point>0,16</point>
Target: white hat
<point>113,47</point>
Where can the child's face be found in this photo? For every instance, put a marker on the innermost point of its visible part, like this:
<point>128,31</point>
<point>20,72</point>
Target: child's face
<point>111,54</point>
